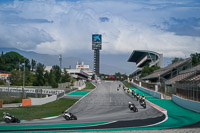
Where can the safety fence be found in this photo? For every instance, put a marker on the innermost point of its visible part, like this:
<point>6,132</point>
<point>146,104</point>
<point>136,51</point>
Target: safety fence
<point>188,90</point>
<point>151,86</point>
<point>28,92</point>
<point>148,91</point>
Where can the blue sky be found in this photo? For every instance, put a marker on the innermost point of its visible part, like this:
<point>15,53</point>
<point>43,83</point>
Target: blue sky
<point>171,27</point>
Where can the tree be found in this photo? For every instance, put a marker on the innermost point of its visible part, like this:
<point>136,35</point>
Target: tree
<point>65,76</point>
<point>195,59</point>
<point>16,77</point>
<point>29,78</point>
<point>46,78</point>
<point>148,70</point>
<point>57,73</point>
<point>52,80</point>
<point>33,64</point>
<point>176,60</point>
<point>39,75</point>
<point>12,60</point>
<point>2,82</point>
<point>27,64</point>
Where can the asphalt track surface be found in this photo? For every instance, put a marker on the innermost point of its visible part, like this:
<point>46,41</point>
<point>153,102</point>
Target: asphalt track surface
<point>106,107</point>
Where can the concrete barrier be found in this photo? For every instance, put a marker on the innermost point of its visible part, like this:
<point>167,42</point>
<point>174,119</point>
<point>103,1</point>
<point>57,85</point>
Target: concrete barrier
<point>26,102</point>
<point>186,103</point>
<point>40,101</point>
<point>150,92</point>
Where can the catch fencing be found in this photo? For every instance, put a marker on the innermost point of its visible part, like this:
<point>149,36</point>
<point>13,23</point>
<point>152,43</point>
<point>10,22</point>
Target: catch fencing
<point>188,90</point>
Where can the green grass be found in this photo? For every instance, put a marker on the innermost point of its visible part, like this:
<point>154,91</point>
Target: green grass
<point>12,100</point>
<point>128,85</point>
<point>89,86</point>
<point>35,112</point>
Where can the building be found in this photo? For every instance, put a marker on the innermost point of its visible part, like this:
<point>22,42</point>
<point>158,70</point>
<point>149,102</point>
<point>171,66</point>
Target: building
<point>81,72</point>
<point>143,58</point>
<point>169,72</point>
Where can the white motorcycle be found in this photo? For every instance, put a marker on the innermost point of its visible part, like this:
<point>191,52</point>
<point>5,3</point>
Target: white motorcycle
<point>69,116</point>
<point>8,118</point>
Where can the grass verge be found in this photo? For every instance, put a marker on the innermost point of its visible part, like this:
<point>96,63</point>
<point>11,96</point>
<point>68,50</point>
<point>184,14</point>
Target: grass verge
<point>89,86</point>
<point>12,100</point>
<point>41,111</point>
<point>128,85</point>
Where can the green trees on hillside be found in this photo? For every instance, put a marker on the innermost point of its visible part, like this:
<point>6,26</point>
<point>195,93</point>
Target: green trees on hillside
<point>195,59</point>
<point>176,60</point>
<point>10,61</point>
<point>148,70</point>
<point>13,63</point>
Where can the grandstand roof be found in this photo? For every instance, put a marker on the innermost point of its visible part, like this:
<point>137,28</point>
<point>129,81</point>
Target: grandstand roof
<point>179,77</point>
<point>137,54</point>
<point>165,70</point>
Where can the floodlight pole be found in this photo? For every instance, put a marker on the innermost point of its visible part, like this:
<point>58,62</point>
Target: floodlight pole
<point>23,81</point>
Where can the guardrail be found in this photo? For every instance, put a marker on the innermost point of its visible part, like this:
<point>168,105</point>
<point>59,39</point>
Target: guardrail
<point>188,104</point>
<point>150,92</point>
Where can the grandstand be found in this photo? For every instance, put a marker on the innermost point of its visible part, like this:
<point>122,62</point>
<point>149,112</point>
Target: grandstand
<point>143,58</point>
<point>169,72</point>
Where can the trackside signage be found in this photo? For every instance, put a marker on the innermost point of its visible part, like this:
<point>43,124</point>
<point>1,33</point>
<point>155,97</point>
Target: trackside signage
<point>32,90</point>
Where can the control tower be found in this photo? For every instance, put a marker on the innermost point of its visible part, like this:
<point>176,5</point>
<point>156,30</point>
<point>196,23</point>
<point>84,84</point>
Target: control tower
<point>96,46</point>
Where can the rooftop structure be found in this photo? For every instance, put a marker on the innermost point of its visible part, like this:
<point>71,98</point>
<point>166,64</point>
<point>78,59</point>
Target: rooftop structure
<point>170,71</point>
<point>144,57</point>
<point>187,75</point>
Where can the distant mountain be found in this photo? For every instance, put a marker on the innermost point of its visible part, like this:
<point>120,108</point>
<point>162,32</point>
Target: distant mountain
<point>109,64</point>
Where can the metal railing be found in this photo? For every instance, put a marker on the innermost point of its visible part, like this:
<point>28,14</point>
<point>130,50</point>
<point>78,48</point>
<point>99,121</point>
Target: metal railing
<point>189,90</point>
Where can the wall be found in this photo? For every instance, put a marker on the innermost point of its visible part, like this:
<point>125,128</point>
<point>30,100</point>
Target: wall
<point>40,101</point>
<point>188,104</point>
<point>150,92</point>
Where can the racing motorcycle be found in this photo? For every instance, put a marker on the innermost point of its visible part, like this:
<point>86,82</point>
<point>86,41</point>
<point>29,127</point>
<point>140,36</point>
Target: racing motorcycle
<point>133,108</point>
<point>138,96</point>
<point>8,118</point>
<point>69,116</point>
<point>142,103</point>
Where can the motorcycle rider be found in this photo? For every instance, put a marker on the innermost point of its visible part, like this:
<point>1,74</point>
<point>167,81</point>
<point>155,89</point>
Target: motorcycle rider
<point>133,92</point>
<point>142,101</point>
<point>142,98</point>
<point>7,114</point>
<point>130,105</point>
<point>138,96</point>
<point>10,118</point>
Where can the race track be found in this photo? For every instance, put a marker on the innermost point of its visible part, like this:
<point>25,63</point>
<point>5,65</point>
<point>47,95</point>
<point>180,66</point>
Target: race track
<point>103,108</point>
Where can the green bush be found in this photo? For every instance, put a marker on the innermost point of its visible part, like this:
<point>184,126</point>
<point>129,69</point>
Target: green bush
<point>12,100</point>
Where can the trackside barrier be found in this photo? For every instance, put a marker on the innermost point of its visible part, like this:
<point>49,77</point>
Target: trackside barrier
<point>26,102</point>
<point>150,92</point>
<point>186,103</point>
<point>40,101</point>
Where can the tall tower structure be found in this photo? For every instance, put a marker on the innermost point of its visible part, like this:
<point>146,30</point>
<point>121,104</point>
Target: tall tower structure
<point>96,46</point>
<point>60,60</point>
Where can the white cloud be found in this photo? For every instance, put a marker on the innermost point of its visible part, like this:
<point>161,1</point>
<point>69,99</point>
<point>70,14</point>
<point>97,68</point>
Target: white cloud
<point>130,25</point>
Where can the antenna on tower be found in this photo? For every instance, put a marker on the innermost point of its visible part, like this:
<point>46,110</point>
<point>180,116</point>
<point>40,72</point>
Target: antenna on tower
<point>60,60</point>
